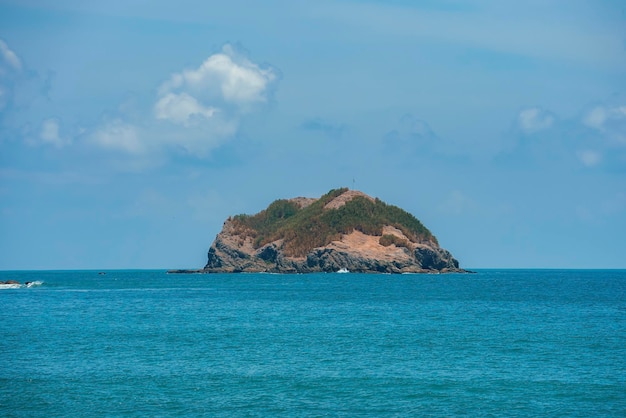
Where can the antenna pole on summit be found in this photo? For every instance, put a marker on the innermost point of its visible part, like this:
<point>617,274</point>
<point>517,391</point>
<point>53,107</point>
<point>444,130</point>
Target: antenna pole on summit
<point>353,182</point>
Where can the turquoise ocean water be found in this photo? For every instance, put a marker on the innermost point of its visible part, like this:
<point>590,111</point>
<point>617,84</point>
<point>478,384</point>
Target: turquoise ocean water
<point>145,343</point>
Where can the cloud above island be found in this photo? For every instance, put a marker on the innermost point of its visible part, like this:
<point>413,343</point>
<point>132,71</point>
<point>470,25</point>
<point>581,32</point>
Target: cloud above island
<point>182,109</point>
<point>225,77</point>
<point>196,110</point>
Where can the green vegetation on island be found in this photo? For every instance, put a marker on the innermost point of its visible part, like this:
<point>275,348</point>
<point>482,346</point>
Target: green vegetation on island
<point>303,229</point>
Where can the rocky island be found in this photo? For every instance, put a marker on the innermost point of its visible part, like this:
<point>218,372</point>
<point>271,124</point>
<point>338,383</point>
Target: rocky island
<point>344,230</point>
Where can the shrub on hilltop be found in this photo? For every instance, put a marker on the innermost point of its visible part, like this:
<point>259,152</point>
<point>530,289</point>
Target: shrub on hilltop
<point>303,229</point>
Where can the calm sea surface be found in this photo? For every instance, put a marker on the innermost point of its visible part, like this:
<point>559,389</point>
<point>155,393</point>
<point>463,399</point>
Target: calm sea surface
<point>145,343</point>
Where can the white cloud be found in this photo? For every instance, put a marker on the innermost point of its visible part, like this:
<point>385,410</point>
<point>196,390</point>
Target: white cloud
<point>590,158</point>
<point>181,108</point>
<point>202,108</point>
<point>49,134</point>
<point>195,111</point>
<point>120,136</point>
<point>609,119</point>
<point>9,56</point>
<point>596,117</point>
<point>534,119</point>
<point>227,76</point>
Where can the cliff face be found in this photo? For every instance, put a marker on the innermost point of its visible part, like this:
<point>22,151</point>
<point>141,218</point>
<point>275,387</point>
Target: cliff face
<point>344,229</point>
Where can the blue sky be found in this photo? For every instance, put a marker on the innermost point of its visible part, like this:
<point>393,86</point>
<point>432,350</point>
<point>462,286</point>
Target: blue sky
<point>129,130</point>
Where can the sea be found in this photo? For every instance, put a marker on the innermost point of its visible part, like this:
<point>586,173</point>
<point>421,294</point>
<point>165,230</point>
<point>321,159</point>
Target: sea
<point>518,343</point>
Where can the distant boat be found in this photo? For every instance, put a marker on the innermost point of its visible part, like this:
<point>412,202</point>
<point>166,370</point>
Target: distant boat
<point>343,270</point>
<point>10,285</point>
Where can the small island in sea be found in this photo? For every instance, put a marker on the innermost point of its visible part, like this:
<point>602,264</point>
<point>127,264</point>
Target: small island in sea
<point>342,231</point>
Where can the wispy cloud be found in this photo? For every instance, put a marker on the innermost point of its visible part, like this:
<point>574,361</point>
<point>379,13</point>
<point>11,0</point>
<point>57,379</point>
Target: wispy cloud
<point>118,135</point>
<point>596,139</point>
<point>21,90</point>
<point>50,133</point>
<point>534,119</point>
<point>589,158</point>
<point>609,119</point>
<point>10,63</point>
<point>9,57</point>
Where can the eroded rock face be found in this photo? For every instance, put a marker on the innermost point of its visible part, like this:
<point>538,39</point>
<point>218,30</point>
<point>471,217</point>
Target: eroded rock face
<point>233,252</point>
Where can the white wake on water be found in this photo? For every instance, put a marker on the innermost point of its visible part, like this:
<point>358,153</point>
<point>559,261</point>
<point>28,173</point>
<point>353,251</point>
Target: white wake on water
<point>18,285</point>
